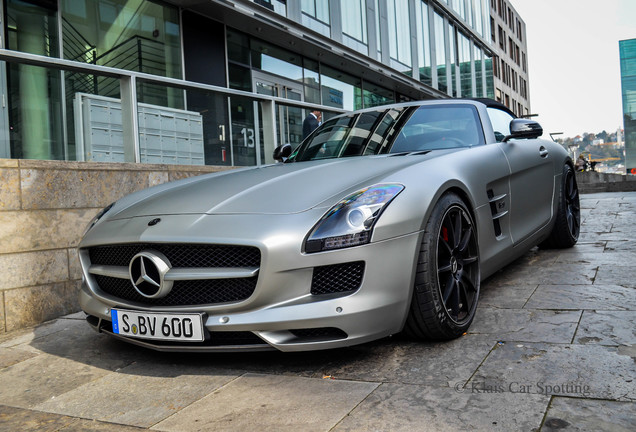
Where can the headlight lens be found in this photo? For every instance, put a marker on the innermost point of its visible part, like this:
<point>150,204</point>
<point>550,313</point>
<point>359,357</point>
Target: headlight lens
<point>350,222</point>
<point>98,216</point>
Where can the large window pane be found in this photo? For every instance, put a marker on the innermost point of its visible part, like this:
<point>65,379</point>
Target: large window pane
<point>375,95</point>
<point>452,86</point>
<point>274,60</point>
<point>315,15</point>
<point>440,52</point>
<point>479,75</point>
<point>424,44</point>
<point>399,34</point>
<point>465,72</point>
<point>354,20</point>
<point>340,90</point>
<point>34,93</point>
<point>311,79</point>
<point>141,36</point>
<point>490,85</point>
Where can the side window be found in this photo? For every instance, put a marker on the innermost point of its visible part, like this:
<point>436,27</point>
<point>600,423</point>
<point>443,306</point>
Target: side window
<point>500,121</point>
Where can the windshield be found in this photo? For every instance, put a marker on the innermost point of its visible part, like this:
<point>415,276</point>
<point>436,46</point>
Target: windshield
<point>394,130</point>
<point>357,134</point>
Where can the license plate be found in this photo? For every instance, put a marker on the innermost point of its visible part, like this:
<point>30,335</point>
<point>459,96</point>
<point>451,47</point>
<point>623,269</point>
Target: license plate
<point>164,326</point>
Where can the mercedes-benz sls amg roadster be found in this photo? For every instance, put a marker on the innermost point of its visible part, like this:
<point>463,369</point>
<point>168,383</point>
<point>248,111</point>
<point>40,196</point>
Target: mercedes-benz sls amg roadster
<point>382,221</point>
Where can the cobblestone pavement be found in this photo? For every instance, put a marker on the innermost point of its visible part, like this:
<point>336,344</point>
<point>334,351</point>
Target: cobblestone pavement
<point>551,348</point>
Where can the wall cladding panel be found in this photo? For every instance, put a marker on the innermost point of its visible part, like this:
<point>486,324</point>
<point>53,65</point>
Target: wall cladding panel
<point>44,209</point>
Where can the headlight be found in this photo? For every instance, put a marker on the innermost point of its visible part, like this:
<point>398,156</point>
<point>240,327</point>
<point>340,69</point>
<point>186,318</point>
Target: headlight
<point>97,217</point>
<point>350,222</point>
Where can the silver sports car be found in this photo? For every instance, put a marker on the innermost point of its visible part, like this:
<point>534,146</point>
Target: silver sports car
<point>382,221</point>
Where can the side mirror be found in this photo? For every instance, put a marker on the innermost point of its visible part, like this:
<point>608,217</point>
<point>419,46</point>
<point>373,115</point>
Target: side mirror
<point>282,152</point>
<point>524,128</point>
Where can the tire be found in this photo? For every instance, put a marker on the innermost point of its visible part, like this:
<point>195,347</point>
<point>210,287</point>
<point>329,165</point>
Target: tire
<point>447,277</point>
<point>567,226</point>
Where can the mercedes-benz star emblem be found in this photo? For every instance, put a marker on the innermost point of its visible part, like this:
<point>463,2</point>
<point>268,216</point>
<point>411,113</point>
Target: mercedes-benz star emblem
<point>147,273</point>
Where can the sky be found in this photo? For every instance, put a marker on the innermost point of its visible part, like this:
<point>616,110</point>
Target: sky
<point>574,62</point>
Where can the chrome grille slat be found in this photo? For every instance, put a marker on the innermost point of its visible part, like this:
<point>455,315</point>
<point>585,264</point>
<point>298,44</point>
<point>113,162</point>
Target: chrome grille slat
<point>175,274</point>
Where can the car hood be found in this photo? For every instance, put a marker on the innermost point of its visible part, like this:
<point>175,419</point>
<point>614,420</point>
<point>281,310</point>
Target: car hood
<point>271,189</point>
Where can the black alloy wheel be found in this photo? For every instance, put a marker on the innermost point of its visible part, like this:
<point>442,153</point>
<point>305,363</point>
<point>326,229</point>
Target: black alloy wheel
<point>457,264</point>
<point>447,278</point>
<point>572,205</point>
<point>567,220</point>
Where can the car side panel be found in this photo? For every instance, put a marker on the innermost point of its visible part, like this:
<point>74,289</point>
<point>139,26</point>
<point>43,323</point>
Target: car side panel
<point>478,174</point>
<point>531,186</point>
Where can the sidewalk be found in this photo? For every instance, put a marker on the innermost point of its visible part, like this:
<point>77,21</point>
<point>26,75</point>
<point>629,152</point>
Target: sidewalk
<point>552,348</point>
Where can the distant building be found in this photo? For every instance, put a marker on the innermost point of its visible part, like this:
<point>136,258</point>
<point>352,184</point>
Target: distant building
<point>627,50</point>
<point>510,62</point>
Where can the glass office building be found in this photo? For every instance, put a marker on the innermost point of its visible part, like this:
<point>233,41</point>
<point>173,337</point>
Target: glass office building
<point>221,82</point>
<point>627,50</point>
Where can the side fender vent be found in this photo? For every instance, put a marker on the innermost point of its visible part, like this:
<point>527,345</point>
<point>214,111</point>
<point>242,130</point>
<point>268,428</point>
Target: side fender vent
<point>498,209</point>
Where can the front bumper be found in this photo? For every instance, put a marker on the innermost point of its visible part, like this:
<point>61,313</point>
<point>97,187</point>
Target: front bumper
<point>281,313</point>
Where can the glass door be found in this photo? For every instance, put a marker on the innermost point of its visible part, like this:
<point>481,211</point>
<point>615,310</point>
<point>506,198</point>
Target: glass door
<point>289,120</point>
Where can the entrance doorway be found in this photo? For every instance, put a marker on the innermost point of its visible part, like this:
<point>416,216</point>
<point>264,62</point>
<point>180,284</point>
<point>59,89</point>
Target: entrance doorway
<point>289,120</point>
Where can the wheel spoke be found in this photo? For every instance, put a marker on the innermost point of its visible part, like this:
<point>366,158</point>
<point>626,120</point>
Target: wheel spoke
<point>469,284</point>
<point>443,242</point>
<point>457,231</point>
<point>455,308</point>
<point>444,268</point>
<point>467,236</point>
<point>450,287</point>
<point>469,260</point>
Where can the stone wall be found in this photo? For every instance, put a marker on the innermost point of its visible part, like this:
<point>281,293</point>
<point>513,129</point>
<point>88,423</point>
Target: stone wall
<point>44,208</point>
<point>592,181</point>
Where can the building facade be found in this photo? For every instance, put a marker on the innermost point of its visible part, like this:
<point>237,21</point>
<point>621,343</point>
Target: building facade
<point>68,66</point>
<point>510,59</point>
<point>627,49</point>
<point>104,97</point>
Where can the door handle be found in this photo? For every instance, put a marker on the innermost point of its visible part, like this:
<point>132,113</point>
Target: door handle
<point>543,152</point>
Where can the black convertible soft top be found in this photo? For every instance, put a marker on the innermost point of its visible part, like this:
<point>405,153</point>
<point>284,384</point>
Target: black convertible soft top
<point>494,104</point>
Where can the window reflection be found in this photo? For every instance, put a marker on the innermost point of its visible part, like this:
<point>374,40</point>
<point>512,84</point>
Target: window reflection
<point>315,15</point>
<point>399,34</point>
<point>440,53</point>
<point>354,20</point>
<point>465,72</point>
<point>340,90</point>
<point>424,44</point>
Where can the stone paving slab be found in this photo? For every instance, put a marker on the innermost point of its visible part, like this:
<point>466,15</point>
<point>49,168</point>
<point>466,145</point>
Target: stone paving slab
<point>607,328</point>
<point>579,297</point>
<point>617,275</point>
<point>396,408</point>
<point>505,296</point>
<point>572,414</point>
<point>587,371</point>
<point>274,403</point>
<point>406,362</point>
<point>138,395</point>
<point>41,378</point>
<point>552,348</point>
<point>17,419</point>
<point>526,325</point>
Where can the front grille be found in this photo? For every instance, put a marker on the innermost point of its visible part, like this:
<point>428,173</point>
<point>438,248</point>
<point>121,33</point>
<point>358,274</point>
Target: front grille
<point>179,255</point>
<point>183,293</point>
<point>338,278</point>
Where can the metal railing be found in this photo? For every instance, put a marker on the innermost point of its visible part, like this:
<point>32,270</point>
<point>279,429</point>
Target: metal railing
<point>128,81</point>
